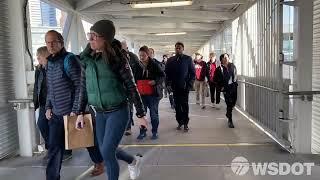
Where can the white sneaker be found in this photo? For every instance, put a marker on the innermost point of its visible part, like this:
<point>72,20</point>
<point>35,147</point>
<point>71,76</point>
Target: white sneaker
<point>217,106</point>
<point>213,105</point>
<point>134,170</point>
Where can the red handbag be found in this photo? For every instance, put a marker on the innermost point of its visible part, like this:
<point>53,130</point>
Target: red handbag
<point>144,87</point>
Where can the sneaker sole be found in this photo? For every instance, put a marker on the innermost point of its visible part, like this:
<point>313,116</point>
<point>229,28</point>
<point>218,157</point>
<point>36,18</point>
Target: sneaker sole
<point>139,166</point>
<point>66,159</point>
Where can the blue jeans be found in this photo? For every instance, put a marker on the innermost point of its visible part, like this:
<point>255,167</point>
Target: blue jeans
<point>152,103</point>
<point>43,125</point>
<point>110,127</point>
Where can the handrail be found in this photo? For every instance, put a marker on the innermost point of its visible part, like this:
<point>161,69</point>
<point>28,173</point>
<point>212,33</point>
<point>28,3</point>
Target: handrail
<point>257,85</point>
<point>298,93</point>
<point>20,101</point>
<point>289,93</point>
<point>19,104</point>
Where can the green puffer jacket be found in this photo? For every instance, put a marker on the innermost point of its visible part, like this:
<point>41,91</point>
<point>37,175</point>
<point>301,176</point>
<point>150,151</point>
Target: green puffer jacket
<point>109,85</point>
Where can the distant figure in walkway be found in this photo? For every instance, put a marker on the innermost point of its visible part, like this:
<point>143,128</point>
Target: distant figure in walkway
<point>180,76</point>
<point>40,92</point>
<point>166,91</point>
<point>214,79</point>
<point>109,85</point>
<point>229,85</point>
<point>200,84</point>
<point>164,62</point>
<point>149,78</point>
<point>162,66</point>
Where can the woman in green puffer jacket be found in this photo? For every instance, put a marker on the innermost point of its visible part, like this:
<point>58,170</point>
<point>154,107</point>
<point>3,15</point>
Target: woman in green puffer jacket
<point>109,85</point>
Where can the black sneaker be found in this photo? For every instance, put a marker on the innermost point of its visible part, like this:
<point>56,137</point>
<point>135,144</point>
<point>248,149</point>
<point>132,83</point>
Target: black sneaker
<point>186,128</point>
<point>230,124</point>
<point>128,132</point>
<point>179,127</point>
<point>143,133</point>
<point>66,157</point>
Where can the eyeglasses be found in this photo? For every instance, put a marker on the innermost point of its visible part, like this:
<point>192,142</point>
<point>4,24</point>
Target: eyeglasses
<point>93,36</point>
<point>52,42</point>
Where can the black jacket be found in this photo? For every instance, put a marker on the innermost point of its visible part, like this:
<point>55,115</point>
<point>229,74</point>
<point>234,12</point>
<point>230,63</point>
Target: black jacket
<point>224,74</point>
<point>180,72</point>
<point>40,88</point>
<point>152,72</point>
<point>133,61</point>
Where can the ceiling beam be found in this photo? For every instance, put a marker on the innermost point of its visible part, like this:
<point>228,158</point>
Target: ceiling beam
<point>116,6</point>
<point>142,31</point>
<point>60,4</point>
<point>219,2</point>
<point>84,4</point>
<point>162,20</point>
<point>167,38</point>
<point>186,26</point>
<point>171,13</point>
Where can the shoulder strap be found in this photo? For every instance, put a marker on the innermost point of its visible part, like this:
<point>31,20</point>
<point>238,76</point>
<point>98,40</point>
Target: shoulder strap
<point>66,64</point>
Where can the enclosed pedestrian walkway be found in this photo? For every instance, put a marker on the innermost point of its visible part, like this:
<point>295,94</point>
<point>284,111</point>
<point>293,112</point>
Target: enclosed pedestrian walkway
<point>205,153</point>
<point>273,43</point>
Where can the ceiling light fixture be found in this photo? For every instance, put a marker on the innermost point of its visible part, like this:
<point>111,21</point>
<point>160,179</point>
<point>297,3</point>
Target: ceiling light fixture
<point>170,34</point>
<point>161,4</point>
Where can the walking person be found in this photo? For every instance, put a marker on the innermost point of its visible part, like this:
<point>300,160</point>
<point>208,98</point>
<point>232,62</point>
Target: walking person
<point>40,96</point>
<point>214,81</point>
<point>166,91</point>
<point>134,63</point>
<point>150,78</point>
<point>109,85</point>
<point>164,62</point>
<point>40,93</point>
<point>200,83</point>
<point>64,82</point>
<point>180,76</point>
<point>229,85</point>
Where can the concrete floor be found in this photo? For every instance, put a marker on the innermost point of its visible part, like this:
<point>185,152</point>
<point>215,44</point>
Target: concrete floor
<point>205,153</point>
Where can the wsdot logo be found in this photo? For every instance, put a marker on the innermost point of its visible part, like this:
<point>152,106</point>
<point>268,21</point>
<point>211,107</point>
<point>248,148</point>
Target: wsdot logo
<point>240,166</point>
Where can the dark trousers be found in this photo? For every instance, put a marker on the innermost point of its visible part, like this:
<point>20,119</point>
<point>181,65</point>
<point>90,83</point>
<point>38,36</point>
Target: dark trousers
<point>230,96</point>
<point>152,103</point>
<point>171,99</point>
<point>110,129</point>
<point>43,125</point>
<point>215,92</point>
<point>94,151</point>
<point>181,99</point>
<point>131,116</point>
<point>56,148</point>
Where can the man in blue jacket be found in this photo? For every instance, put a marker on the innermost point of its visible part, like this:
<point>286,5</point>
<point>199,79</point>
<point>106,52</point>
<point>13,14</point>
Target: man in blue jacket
<point>180,76</point>
<point>65,79</point>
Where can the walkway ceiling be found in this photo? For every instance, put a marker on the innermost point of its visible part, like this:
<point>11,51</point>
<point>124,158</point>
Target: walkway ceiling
<point>200,20</point>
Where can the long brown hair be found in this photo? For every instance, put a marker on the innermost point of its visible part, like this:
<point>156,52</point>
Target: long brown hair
<point>108,52</point>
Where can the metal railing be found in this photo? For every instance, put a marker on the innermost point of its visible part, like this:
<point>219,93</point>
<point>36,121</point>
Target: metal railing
<point>269,109</point>
<point>18,104</point>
